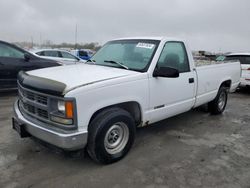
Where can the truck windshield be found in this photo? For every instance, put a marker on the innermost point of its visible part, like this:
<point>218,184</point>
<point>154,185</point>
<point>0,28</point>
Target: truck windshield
<point>131,54</point>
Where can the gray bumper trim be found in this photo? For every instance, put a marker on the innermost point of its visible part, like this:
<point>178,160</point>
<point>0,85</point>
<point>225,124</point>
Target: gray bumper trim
<point>71,141</point>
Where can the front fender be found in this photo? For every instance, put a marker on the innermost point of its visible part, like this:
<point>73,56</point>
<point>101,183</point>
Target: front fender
<point>89,102</point>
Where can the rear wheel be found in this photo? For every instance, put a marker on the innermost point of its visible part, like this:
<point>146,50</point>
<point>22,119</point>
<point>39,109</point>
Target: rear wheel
<point>218,105</point>
<point>111,135</point>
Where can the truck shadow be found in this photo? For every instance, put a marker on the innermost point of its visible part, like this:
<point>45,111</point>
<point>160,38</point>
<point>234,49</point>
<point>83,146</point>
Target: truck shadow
<point>160,129</point>
<point>183,122</point>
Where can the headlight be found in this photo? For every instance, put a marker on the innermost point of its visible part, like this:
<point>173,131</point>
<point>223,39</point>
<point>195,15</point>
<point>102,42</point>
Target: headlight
<point>61,106</point>
<point>64,112</point>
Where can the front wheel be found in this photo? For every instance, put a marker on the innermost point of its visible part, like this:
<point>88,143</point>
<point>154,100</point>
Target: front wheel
<point>111,135</point>
<point>218,105</point>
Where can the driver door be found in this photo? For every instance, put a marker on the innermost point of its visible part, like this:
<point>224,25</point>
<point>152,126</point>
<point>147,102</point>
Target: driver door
<point>171,96</point>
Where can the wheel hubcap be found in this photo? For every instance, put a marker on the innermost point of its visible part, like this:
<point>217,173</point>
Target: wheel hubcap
<point>116,138</point>
<point>222,101</point>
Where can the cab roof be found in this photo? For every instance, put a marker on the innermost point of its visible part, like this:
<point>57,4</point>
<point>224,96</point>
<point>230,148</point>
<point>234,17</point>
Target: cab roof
<point>160,38</point>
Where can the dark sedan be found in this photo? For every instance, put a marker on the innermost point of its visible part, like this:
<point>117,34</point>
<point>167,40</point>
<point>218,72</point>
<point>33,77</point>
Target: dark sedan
<point>14,59</point>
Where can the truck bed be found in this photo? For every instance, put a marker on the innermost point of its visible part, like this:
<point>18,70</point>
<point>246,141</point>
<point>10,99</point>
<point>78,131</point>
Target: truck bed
<point>199,63</point>
<point>210,74</point>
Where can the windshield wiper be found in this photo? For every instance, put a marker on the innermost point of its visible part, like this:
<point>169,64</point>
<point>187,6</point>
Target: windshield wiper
<point>115,62</point>
<point>90,60</point>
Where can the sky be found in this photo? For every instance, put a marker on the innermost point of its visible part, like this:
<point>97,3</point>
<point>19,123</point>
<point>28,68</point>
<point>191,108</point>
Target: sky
<point>213,25</point>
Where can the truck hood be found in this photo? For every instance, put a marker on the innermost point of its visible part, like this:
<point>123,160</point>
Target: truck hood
<point>74,76</point>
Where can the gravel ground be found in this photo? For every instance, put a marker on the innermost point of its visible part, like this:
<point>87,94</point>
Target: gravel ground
<point>193,149</point>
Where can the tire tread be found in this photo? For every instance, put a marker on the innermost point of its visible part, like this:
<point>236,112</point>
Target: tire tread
<point>95,127</point>
<point>213,106</point>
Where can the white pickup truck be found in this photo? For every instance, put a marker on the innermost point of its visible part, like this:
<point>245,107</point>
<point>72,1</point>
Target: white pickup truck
<point>128,83</point>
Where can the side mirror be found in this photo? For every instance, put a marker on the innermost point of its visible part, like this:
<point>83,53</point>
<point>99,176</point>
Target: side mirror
<point>26,57</point>
<point>167,72</point>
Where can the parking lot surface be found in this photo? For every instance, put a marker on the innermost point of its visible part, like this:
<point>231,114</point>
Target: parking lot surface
<point>193,149</point>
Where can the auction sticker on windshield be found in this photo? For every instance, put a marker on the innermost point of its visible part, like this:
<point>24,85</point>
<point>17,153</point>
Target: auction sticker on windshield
<point>145,45</point>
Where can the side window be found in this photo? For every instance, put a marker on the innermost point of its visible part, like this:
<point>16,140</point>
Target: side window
<point>68,55</point>
<point>40,53</point>
<point>83,53</point>
<point>229,58</point>
<point>246,60</point>
<point>174,55</point>
<point>8,51</point>
<point>236,58</point>
<point>51,53</point>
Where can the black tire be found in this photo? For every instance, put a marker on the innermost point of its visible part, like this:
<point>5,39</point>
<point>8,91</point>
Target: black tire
<point>101,128</point>
<point>215,107</point>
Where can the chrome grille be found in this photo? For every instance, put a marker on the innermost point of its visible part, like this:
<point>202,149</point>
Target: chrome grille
<point>33,103</point>
<point>33,96</point>
<point>29,108</point>
<point>42,113</point>
<point>42,99</point>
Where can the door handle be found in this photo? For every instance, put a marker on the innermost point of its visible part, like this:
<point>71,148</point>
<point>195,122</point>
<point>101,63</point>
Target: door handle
<point>191,80</point>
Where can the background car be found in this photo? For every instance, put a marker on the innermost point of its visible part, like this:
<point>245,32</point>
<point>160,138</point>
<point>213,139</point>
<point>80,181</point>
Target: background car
<point>59,55</point>
<point>14,59</point>
<point>84,54</point>
<point>244,59</point>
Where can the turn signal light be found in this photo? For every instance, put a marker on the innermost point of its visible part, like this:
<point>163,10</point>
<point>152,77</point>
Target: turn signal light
<point>69,109</point>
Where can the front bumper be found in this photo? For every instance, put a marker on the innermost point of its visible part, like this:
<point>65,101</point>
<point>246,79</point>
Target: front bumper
<point>68,141</point>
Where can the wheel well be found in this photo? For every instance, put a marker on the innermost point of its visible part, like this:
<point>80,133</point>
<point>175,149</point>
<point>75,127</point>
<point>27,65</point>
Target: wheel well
<point>226,84</point>
<point>132,107</point>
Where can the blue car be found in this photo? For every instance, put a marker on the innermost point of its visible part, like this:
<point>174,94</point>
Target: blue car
<point>84,54</point>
